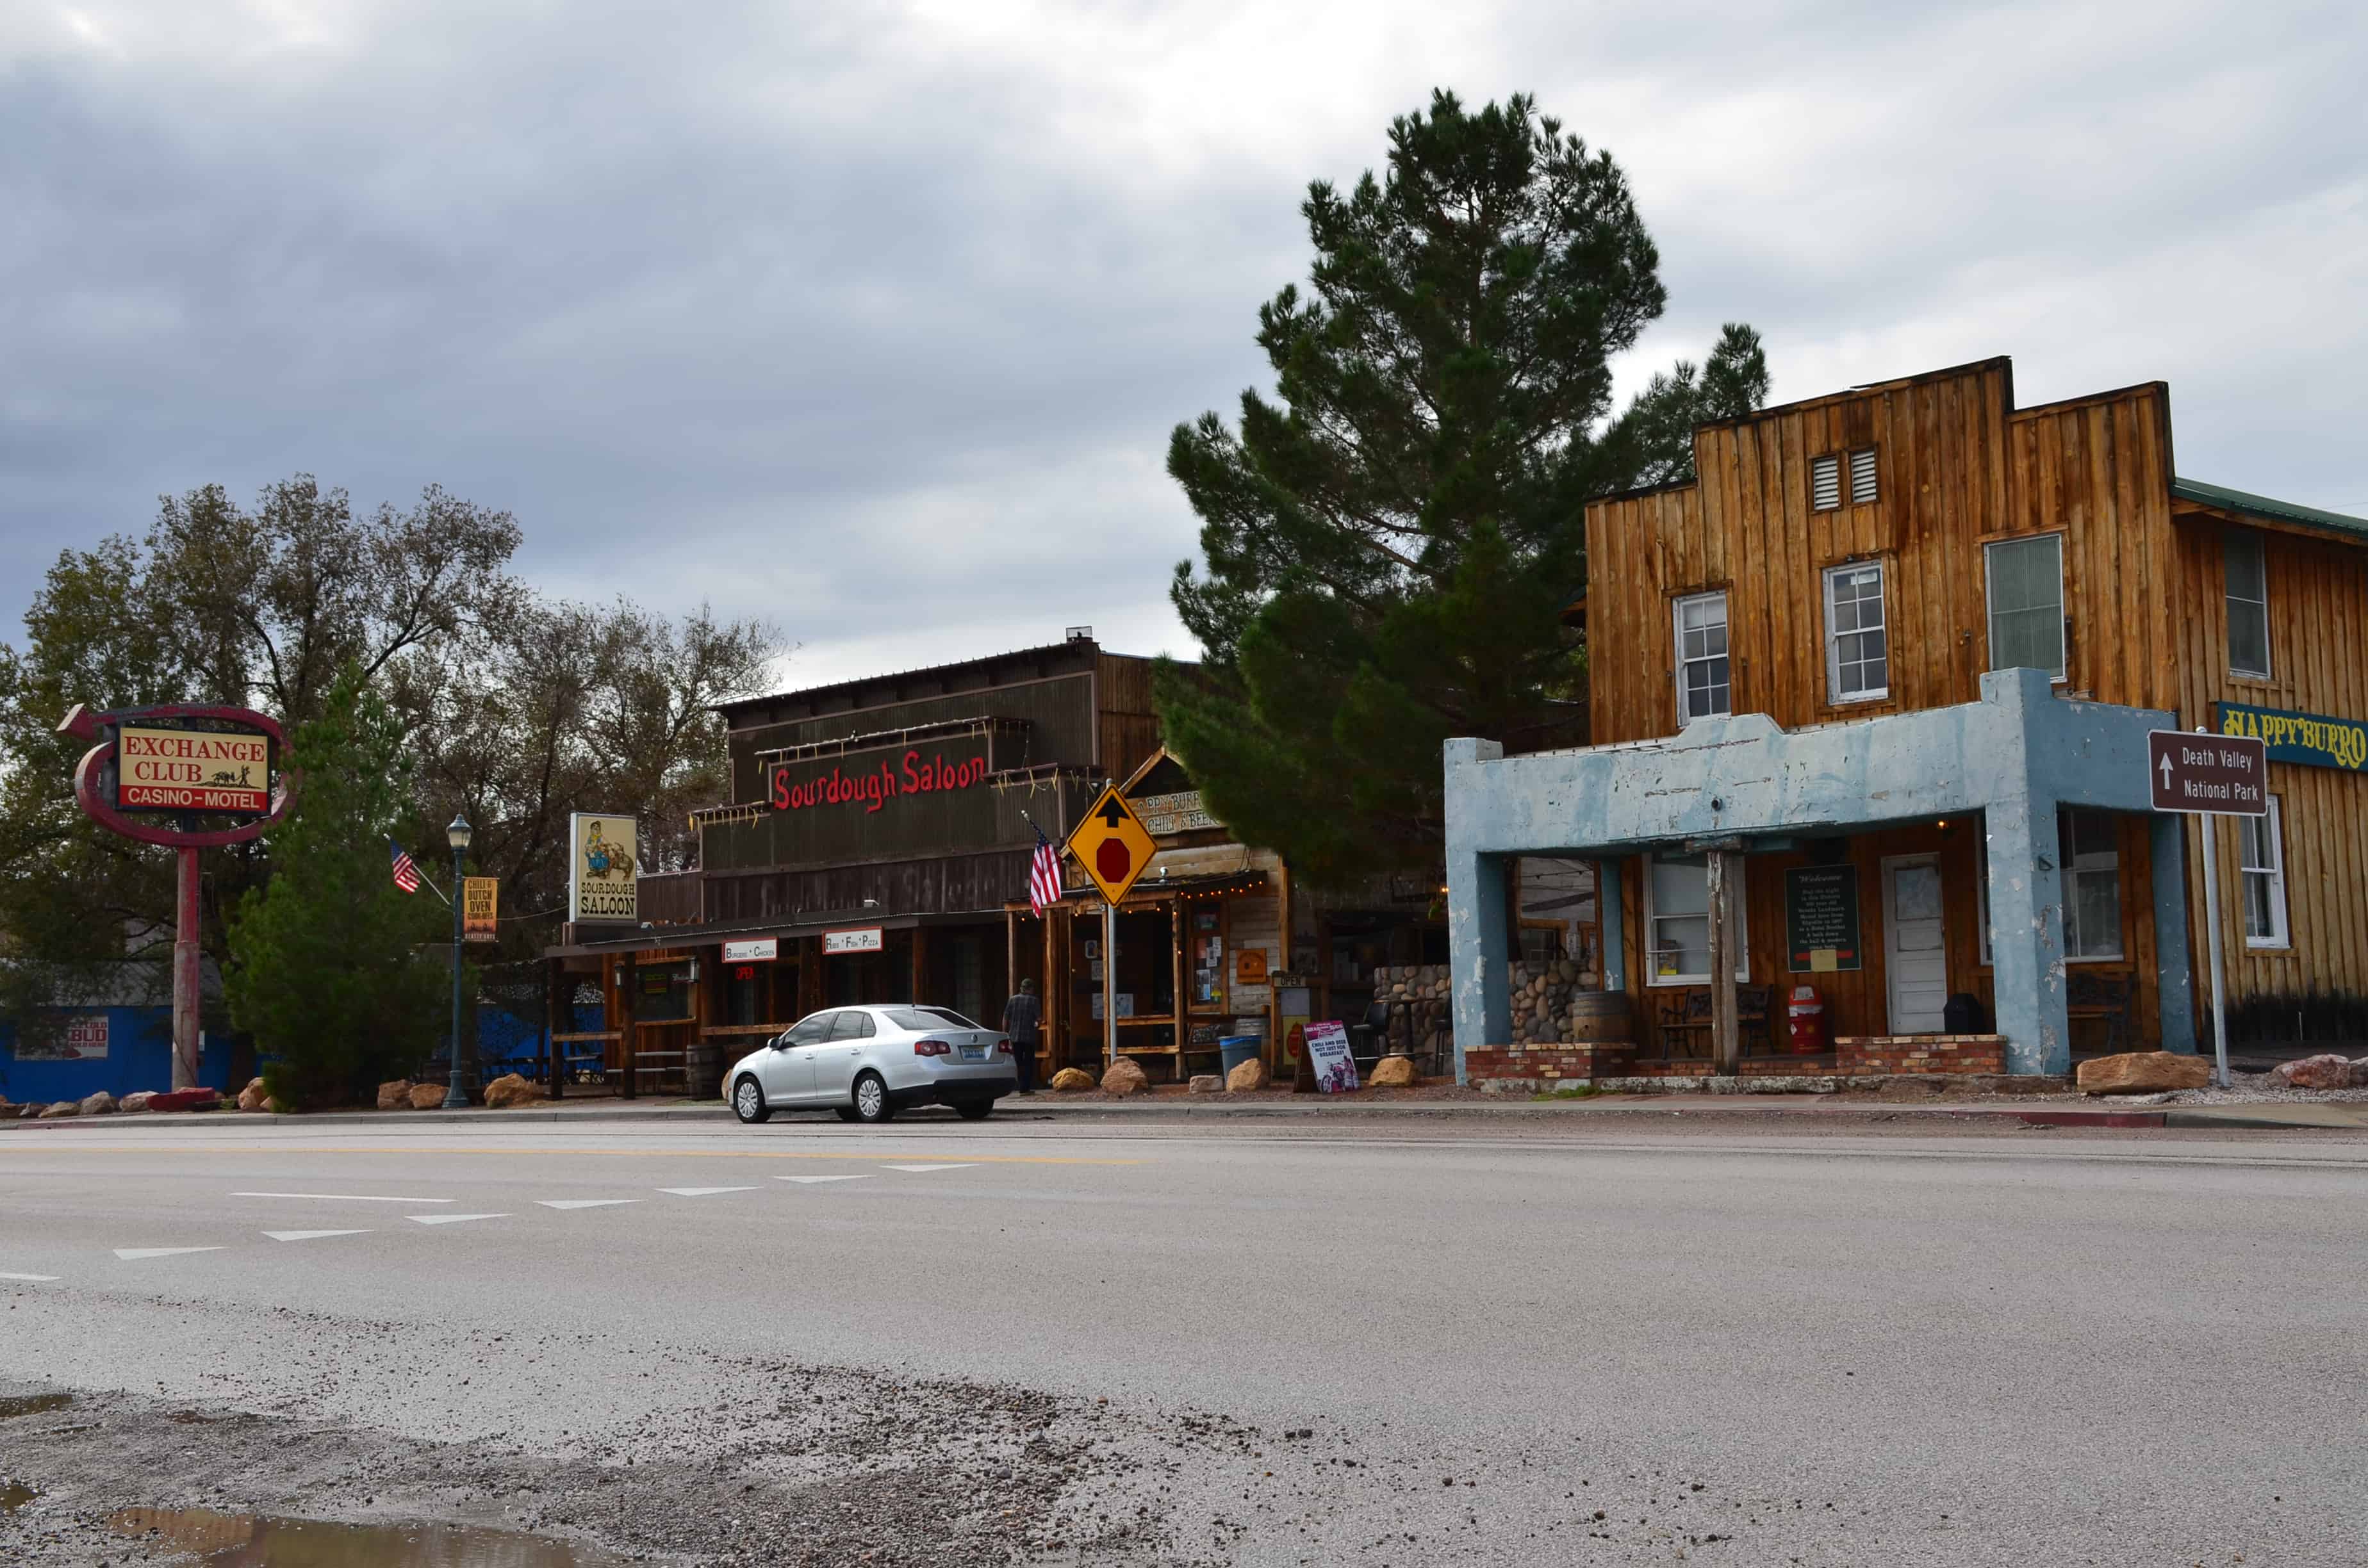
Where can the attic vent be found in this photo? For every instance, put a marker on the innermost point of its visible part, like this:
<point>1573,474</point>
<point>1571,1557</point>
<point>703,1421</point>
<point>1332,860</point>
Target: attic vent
<point>1824,482</point>
<point>1861,476</point>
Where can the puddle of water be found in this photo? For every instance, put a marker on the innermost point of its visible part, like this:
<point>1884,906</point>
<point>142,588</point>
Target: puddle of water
<point>32,1404</point>
<point>237,1540</point>
<point>15,1495</point>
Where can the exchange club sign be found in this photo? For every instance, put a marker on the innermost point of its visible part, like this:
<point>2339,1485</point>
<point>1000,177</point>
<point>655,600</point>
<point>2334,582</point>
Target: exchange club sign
<point>192,770</point>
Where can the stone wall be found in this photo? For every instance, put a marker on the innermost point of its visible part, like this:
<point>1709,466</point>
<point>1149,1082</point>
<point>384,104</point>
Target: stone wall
<point>1542,996</point>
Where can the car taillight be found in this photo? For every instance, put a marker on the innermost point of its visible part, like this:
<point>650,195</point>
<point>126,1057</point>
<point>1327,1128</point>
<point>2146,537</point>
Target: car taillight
<point>1003,1045</point>
<point>932,1048</point>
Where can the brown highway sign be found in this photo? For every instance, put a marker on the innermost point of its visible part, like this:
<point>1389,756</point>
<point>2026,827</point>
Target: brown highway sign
<point>2196,771</point>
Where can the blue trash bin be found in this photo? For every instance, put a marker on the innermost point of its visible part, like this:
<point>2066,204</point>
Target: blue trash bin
<point>1237,1049</point>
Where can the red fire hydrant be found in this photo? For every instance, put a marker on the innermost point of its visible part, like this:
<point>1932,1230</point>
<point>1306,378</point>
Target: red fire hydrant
<point>1808,1020</point>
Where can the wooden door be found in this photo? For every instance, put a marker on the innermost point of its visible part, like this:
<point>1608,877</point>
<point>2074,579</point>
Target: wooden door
<point>1915,957</point>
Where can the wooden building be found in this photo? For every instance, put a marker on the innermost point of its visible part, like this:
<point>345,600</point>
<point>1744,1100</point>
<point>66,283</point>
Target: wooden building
<point>1878,552</point>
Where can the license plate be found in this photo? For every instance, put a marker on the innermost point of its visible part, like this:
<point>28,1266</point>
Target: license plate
<point>973,1053</point>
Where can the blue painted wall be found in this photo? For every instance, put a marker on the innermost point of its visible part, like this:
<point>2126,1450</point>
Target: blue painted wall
<point>139,1056</point>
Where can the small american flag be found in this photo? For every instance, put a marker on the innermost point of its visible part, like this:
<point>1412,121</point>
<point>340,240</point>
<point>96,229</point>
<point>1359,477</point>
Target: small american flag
<point>406,875</point>
<point>1043,876</point>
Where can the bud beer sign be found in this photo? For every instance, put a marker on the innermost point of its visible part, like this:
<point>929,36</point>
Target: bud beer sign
<point>192,770</point>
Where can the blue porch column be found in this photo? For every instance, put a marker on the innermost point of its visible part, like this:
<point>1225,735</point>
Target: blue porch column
<point>2174,960</point>
<point>1477,947</point>
<point>2027,932</point>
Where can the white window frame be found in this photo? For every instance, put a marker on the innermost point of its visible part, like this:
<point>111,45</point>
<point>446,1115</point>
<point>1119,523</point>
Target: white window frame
<point>1989,611</point>
<point>2071,870</point>
<point>2270,831</point>
<point>1678,653</point>
<point>1834,692</point>
<point>1653,976</point>
<point>2229,599</point>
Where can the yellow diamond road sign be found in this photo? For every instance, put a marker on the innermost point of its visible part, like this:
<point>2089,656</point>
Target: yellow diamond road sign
<point>1113,844</point>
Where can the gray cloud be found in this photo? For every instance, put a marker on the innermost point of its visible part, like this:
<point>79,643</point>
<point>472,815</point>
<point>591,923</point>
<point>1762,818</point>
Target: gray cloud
<point>875,319</point>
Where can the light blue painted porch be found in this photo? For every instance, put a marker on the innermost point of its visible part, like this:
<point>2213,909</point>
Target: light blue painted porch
<point>2014,756</point>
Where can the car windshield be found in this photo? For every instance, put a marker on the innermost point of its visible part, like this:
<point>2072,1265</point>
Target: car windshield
<point>928,1018</point>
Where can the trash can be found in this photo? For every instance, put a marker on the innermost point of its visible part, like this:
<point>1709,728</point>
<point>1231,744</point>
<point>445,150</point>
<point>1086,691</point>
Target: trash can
<point>1237,1049</point>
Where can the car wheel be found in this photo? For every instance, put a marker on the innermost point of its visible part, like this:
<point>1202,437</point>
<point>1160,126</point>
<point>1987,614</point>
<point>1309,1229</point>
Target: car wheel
<point>871,1102</point>
<point>748,1102</point>
<point>973,1111</point>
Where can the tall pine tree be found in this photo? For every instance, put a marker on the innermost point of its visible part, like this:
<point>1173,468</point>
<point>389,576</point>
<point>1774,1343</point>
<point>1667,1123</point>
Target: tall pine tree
<point>1388,551</point>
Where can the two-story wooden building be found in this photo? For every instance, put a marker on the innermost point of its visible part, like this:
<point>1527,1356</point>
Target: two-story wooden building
<point>1800,697</point>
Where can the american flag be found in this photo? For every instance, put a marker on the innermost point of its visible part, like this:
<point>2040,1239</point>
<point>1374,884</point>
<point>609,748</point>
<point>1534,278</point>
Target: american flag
<point>1043,876</point>
<point>406,875</point>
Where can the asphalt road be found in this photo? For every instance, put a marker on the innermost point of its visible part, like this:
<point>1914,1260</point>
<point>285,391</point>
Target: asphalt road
<point>1391,1347</point>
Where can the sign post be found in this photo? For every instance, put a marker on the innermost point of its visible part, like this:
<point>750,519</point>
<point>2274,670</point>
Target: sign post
<point>1115,848</point>
<point>2207,775</point>
<point>190,778</point>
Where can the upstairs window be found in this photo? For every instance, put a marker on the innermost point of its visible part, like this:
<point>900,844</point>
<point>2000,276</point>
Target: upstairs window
<point>2026,589</point>
<point>1858,663</point>
<point>1826,483</point>
<point>1863,476</point>
<point>1705,690</point>
<point>2249,603</point>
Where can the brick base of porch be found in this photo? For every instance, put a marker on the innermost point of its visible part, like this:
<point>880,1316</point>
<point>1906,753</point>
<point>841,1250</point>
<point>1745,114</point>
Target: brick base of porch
<point>1546,1067</point>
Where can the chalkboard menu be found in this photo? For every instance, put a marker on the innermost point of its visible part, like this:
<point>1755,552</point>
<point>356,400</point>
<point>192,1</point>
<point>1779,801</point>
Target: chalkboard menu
<point>1821,918</point>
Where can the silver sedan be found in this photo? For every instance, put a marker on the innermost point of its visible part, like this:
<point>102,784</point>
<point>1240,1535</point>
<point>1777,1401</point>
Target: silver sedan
<point>868,1063</point>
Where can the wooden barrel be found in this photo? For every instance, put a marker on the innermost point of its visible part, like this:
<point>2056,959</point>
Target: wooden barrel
<point>1601,1016</point>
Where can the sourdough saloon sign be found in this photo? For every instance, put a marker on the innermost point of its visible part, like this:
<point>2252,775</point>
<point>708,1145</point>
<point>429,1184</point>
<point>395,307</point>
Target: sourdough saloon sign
<point>875,786</point>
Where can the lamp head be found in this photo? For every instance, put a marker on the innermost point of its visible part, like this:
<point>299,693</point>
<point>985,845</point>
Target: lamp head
<point>458,834</point>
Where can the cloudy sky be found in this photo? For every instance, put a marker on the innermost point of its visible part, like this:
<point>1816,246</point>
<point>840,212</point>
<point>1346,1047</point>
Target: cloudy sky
<point>874,317</point>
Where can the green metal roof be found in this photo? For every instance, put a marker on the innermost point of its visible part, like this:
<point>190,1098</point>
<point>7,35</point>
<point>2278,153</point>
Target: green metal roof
<point>2268,510</point>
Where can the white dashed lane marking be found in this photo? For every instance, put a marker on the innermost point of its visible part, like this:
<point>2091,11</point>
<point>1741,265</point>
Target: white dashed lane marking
<point>35,1278</point>
<point>310,1235</point>
<point>917,1168</point>
<point>450,1219</point>
<point>341,1197</point>
<point>584,1202</point>
<point>134,1254</point>
<point>808,1181</point>
<point>703,1191</point>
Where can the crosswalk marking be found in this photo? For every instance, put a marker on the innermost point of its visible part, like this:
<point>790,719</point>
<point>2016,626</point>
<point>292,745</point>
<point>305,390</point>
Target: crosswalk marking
<point>809,1181</point>
<point>450,1219</point>
<point>310,1235</point>
<point>918,1169</point>
<point>36,1279</point>
<point>342,1197</point>
<point>133,1254</point>
<point>703,1191</point>
<point>584,1202</point>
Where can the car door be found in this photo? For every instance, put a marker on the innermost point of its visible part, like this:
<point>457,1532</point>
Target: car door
<point>788,1073</point>
<point>836,1059</point>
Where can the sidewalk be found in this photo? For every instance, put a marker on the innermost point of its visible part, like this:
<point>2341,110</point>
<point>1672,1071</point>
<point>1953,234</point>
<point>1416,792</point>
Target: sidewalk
<point>1282,1107</point>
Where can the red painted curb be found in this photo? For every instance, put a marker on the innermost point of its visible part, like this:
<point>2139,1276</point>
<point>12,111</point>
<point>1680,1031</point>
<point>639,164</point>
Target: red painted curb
<point>2090,1118</point>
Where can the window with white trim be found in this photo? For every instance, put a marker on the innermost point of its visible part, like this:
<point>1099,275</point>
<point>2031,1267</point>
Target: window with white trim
<point>1705,690</point>
<point>2247,592</point>
<point>2089,845</point>
<point>1825,481</point>
<point>1863,476</point>
<point>2260,848</point>
<point>1676,922</point>
<point>1858,663</point>
<point>2026,602</point>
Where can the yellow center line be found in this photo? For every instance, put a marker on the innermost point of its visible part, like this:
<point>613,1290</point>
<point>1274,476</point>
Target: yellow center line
<point>947,1157</point>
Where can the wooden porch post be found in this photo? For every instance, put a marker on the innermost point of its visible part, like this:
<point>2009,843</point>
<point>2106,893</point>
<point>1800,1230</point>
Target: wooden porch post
<point>1725,867</point>
<point>1176,983</point>
<point>1056,993</point>
<point>628,973</point>
<point>558,1018</point>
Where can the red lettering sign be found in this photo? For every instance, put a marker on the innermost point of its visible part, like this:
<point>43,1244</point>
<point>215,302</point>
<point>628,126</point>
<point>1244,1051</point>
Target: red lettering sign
<point>875,787</point>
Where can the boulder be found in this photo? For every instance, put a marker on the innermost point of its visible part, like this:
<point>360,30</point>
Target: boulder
<point>28,1112</point>
<point>2143,1073</point>
<point>1125,1077</point>
<point>395,1096</point>
<point>252,1097</point>
<point>1206,1084</point>
<point>510,1089</point>
<point>1394,1073</point>
<point>2360,1072</point>
<point>1249,1076</point>
<point>2325,1072</point>
<point>186,1099</point>
<point>133,1104</point>
<point>99,1104</point>
<point>1071,1081</point>
<point>63,1107</point>
<point>427,1097</point>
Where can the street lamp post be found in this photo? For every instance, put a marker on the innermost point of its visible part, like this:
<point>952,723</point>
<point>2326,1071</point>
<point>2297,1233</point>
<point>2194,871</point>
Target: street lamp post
<point>458,834</point>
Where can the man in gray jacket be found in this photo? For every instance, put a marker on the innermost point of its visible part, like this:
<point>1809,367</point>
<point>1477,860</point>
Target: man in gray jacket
<point>1023,1020</point>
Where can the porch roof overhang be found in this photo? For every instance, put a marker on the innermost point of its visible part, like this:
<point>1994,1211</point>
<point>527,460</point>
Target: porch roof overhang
<point>643,939</point>
<point>1731,781</point>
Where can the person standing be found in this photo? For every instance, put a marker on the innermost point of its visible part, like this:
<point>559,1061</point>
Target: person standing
<point>1023,1020</point>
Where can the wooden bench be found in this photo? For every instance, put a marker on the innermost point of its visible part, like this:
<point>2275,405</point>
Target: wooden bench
<point>1684,1019</point>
